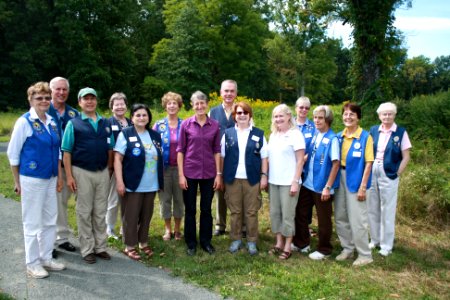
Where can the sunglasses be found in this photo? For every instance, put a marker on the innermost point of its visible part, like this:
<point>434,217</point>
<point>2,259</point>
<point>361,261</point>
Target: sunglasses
<point>303,107</point>
<point>40,98</point>
<point>242,113</point>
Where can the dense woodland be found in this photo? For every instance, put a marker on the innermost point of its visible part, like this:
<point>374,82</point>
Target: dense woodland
<point>275,49</point>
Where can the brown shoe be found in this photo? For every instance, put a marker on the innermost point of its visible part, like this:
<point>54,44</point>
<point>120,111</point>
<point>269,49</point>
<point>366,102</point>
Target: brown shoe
<point>90,258</point>
<point>103,255</point>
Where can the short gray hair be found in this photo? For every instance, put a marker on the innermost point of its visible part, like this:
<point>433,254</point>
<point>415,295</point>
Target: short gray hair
<point>387,106</point>
<point>56,79</point>
<point>328,113</point>
<point>199,95</point>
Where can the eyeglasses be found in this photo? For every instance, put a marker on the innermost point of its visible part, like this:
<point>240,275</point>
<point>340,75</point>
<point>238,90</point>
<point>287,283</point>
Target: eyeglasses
<point>242,112</point>
<point>41,98</point>
<point>303,107</point>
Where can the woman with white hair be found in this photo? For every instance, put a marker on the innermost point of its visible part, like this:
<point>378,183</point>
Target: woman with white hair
<point>286,156</point>
<point>391,148</point>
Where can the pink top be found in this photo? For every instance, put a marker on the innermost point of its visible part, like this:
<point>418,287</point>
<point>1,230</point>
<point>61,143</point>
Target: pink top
<point>385,134</point>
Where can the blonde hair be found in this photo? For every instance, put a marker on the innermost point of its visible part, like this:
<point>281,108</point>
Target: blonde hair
<point>169,96</point>
<point>282,108</point>
<point>40,87</point>
<point>302,100</point>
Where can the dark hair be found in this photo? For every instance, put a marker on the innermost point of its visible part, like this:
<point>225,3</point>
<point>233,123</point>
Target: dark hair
<point>245,107</point>
<point>139,106</point>
<point>353,107</point>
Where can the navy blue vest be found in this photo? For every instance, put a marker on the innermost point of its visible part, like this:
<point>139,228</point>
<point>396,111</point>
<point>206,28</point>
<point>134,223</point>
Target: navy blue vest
<point>355,165</point>
<point>69,114</point>
<point>218,113</point>
<point>322,163</point>
<point>252,156</point>
<point>134,159</point>
<point>113,121</point>
<point>90,149</point>
<point>40,152</point>
<point>393,152</point>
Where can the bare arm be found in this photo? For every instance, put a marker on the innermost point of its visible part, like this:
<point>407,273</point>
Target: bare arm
<point>15,172</point>
<point>181,178</point>
<point>60,182</point>
<point>218,180</point>
<point>264,170</point>
<point>71,183</point>
<point>120,186</point>
<point>365,179</point>
<point>331,178</point>
<point>299,155</point>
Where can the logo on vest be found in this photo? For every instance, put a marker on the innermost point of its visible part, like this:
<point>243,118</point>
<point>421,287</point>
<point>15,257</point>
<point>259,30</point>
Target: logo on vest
<point>357,146</point>
<point>32,165</point>
<point>136,151</point>
<point>162,127</point>
<point>396,139</point>
<point>37,126</point>
<point>72,114</point>
<point>108,130</point>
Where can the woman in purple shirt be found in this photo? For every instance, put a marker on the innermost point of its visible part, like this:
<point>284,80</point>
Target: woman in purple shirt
<point>199,165</point>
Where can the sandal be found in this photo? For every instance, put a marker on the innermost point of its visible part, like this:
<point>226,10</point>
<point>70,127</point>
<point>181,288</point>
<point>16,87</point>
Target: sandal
<point>133,254</point>
<point>275,250</point>
<point>147,250</point>
<point>167,236</point>
<point>285,255</point>
<point>178,235</point>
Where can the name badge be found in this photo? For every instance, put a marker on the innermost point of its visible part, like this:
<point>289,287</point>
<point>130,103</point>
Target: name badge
<point>357,154</point>
<point>255,138</point>
<point>325,140</point>
<point>108,140</point>
<point>308,135</point>
<point>133,139</point>
<point>115,128</point>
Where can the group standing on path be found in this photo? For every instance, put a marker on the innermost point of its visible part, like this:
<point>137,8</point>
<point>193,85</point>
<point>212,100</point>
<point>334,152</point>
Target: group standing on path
<point>119,162</point>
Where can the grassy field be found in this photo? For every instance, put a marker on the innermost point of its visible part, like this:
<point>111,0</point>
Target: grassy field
<point>419,267</point>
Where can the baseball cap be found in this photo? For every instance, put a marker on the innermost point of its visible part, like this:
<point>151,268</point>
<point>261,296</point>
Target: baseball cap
<point>86,91</point>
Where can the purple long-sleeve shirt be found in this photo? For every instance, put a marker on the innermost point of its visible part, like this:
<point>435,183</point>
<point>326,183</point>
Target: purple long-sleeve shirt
<point>199,144</point>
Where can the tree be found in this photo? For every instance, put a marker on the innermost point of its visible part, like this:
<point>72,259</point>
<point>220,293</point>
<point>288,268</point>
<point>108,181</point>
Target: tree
<point>441,75</point>
<point>417,73</point>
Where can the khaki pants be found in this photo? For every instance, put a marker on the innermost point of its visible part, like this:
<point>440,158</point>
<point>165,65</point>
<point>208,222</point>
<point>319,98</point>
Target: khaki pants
<point>172,194</point>
<point>244,201</point>
<point>92,200</point>
<point>62,226</point>
<point>282,209</point>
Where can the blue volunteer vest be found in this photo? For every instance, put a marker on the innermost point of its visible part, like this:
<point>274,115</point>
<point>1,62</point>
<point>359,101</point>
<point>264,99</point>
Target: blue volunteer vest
<point>90,149</point>
<point>40,152</point>
<point>354,166</point>
<point>162,127</point>
<point>393,152</point>
<point>116,130</point>
<point>61,122</point>
<point>322,163</point>
<point>252,155</point>
<point>308,129</point>
<point>133,162</point>
<point>218,113</point>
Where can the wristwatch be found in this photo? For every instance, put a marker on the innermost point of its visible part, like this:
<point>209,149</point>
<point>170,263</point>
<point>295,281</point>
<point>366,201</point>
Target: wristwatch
<point>328,187</point>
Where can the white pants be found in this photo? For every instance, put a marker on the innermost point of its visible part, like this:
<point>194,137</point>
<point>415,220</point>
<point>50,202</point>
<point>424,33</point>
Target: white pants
<point>62,226</point>
<point>382,206</point>
<point>113,204</point>
<point>39,210</point>
<point>350,216</point>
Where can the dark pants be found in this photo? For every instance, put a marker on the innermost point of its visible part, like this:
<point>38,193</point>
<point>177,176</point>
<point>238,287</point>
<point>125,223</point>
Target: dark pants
<point>137,211</point>
<point>190,204</point>
<point>324,209</point>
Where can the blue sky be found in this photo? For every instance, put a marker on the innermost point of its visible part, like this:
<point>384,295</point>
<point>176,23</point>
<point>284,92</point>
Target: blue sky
<point>425,26</point>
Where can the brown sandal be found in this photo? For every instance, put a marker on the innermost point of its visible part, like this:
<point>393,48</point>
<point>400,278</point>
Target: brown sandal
<point>147,250</point>
<point>178,236</point>
<point>285,255</point>
<point>133,254</point>
<point>167,236</point>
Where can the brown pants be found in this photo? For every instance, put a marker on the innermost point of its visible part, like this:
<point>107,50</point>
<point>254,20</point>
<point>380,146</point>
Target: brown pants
<point>137,212</point>
<point>307,199</point>
<point>244,201</point>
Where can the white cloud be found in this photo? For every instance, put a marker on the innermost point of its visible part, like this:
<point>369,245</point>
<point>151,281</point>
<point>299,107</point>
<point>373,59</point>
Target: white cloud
<point>422,24</point>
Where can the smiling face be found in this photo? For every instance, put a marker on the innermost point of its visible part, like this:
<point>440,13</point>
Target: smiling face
<point>228,91</point>
<point>319,121</point>
<point>387,118</point>
<point>88,104</point>
<point>281,120</point>
<point>60,92</point>
<point>350,119</point>
<point>40,102</point>
<point>302,111</point>
<point>242,117</point>
<point>119,108</point>
<point>140,118</point>
<point>172,108</point>
<point>199,107</point>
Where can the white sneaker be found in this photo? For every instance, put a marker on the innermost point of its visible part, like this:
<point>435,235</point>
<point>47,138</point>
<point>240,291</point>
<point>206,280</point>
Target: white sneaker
<point>37,271</point>
<point>53,265</point>
<point>344,255</point>
<point>362,261</point>
<point>316,255</point>
<point>384,252</point>
<point>372,245</point>
<point>304,250</point>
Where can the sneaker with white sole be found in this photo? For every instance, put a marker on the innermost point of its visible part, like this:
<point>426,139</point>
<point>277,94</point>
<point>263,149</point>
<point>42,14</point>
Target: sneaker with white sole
<point>37,271</point>
<point>384,252</point>
<point>316,255</point>
<point>372,245</point>
<point>344,255</point>
<point>304,250</point>
<point>53,265</point>
<point>362,261</point>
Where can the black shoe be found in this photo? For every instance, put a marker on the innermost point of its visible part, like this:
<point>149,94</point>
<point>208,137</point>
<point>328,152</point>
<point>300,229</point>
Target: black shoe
<point>90,258</point>
<point>54,253</point>
<point>191,251</point>
<point>244,234</point>
<point>218,232</point>
<point>67,246</point>
<point>209,248</point>
<point>103,255</point>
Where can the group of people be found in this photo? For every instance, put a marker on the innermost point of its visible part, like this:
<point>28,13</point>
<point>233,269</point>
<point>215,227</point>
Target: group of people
<point>55,151</point>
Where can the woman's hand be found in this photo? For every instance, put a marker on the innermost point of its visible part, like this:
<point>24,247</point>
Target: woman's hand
<point>17,188</point>
<point>59,184</point>
<point>182,182</point>
<point>295,187</point>
<point>263,183</point>
<point>217,183</point>
<point>71,183</point>
<point>325,195</point>
<point>362,194</point>
<point>120,187</point>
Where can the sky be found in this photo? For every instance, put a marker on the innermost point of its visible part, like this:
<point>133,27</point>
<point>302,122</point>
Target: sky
<point>425,26</point>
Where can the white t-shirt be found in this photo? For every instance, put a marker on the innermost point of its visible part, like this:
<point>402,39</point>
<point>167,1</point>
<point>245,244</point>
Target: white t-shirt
<point>282,161</point>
